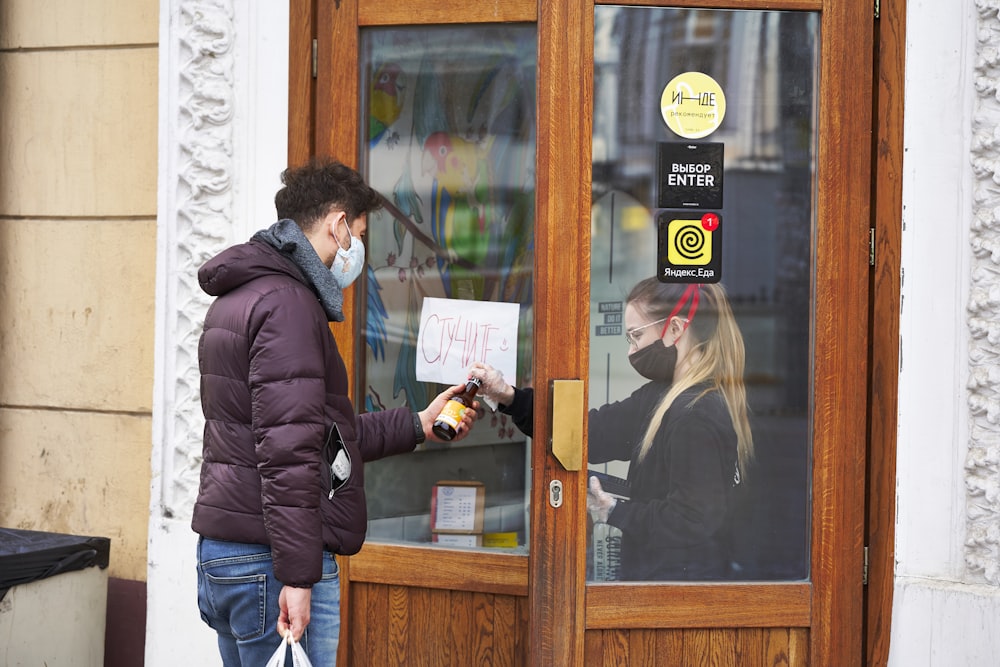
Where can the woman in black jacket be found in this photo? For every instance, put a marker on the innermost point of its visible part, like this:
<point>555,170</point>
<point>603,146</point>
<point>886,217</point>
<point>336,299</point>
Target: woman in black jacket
<point>685,432</point>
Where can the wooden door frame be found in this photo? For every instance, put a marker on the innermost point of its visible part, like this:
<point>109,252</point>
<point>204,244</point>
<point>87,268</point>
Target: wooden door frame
<point>883,392</point>
<point>841,336</point>
<point>563,164</point>
<point>561,604</point>
<point>334,130</point>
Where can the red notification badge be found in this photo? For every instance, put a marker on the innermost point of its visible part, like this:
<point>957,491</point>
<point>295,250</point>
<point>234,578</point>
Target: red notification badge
<point>710,222</point>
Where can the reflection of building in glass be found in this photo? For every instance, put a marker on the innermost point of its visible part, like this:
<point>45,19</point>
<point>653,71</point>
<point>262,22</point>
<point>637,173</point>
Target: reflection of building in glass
<point>765,64</point>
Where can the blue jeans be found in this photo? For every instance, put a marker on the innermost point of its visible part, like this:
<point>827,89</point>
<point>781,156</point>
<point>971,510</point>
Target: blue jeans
<point>238,598</point>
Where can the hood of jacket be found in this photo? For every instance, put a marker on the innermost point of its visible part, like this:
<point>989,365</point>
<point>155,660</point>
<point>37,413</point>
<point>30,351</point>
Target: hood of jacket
<point>240,264</point>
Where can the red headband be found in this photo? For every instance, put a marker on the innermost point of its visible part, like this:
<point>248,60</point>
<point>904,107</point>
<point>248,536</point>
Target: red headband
<point>693,292</point>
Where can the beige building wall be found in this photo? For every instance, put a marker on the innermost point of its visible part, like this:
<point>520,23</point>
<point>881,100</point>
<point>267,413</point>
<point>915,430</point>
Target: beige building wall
<point>78,184</point>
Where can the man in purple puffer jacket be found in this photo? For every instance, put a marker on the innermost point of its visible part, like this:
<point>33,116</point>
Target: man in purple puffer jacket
<point>271,513</point>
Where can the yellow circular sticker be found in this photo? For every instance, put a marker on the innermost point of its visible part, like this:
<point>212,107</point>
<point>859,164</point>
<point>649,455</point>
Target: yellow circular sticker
<point>693,105</point>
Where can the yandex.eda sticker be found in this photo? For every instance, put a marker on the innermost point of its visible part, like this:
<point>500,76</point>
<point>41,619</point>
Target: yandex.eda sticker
<point>689,247</point>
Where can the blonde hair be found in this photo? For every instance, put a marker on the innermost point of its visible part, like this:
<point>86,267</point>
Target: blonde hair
<point>721,360</point>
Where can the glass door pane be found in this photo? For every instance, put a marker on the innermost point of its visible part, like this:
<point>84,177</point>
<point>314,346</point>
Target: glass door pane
<point>703,186</point>
<point>449,141</point>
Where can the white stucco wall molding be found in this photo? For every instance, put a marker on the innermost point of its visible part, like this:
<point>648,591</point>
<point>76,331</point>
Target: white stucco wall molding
<point>946,600</point>
<point>195,220</point>
<point>982,462</point>
<point>222,130</point>
<point>194,217</point>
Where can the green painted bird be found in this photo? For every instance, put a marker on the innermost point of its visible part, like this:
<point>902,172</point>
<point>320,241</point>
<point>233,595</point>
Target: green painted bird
<point>458,214</point>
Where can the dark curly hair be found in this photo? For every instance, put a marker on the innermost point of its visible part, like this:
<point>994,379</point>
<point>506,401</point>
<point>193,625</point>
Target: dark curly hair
<point>314,189</point>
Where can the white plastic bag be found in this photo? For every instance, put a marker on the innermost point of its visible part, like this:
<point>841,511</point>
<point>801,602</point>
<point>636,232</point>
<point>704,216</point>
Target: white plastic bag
<point>299,657</point>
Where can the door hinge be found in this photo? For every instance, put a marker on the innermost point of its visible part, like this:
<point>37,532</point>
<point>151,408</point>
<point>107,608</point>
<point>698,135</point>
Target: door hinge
<point>864,570</point>
<point>315,58</point>
<point>878,8</point>
<point>871,246</point>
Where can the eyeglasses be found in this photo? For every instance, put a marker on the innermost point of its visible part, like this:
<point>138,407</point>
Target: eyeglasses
<point>630,337</point>
<point>692,292</point>
<point>630,334</point>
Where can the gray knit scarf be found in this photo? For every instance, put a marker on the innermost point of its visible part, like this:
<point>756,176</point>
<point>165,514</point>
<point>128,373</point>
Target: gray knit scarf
<point>288,239</point>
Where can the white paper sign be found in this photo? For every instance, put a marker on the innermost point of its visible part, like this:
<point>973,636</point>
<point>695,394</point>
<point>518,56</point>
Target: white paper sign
<point>455,508</point>
<point>455,540</point>
<point>456,332</point>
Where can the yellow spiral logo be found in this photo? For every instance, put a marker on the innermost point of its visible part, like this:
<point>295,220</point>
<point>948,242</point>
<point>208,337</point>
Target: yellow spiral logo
<point>688,243</point>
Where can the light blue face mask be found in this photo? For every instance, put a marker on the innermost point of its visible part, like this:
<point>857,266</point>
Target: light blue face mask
<point>347,264</point>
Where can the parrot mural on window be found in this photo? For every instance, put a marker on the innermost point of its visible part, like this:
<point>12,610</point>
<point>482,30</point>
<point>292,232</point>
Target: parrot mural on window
<point>458,213</point>
<point>385,103</point>
<point>463,198</point>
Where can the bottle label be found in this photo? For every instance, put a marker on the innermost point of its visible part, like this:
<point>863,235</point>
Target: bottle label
<point>452,413</point>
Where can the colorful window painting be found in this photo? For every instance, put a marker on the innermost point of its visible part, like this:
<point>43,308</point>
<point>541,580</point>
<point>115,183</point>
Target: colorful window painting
<point>450,143</point>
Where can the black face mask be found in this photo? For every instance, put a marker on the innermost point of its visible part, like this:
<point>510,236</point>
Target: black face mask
<point>655,362</point>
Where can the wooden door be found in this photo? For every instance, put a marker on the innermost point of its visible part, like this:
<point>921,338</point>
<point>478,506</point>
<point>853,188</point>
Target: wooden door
<point>410,603</point>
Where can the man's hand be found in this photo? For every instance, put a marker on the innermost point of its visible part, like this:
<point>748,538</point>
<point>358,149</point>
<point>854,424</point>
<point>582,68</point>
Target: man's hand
<point>294,604</point>
<point>428,415</point>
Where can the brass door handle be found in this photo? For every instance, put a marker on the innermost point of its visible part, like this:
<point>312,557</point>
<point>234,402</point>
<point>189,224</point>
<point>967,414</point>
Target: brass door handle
<point>567,423</point>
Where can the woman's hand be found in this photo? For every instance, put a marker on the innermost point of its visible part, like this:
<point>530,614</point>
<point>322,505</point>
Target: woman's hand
<point>599,503</point>
<point>494,388</point>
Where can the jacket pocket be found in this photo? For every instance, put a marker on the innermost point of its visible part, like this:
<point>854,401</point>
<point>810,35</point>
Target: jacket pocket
<point>336,462</point>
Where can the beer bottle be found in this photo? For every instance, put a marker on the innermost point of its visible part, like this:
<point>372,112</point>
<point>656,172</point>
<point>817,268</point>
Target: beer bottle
<point>446,424</point>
